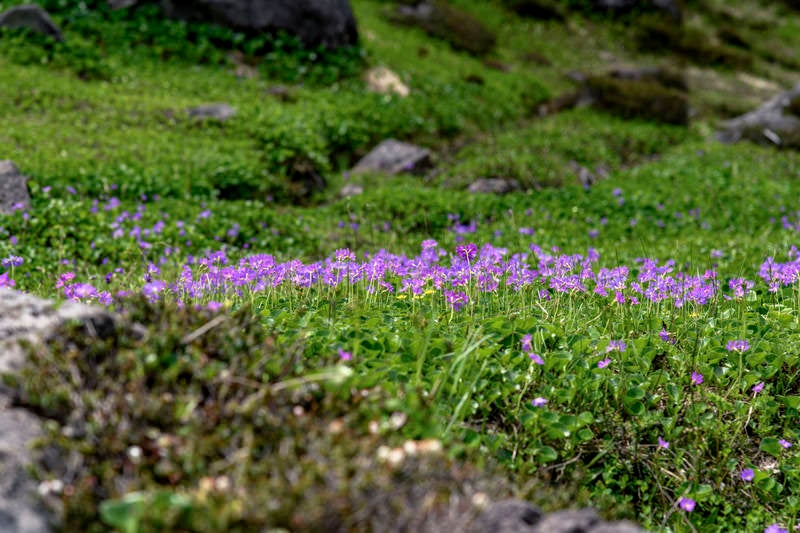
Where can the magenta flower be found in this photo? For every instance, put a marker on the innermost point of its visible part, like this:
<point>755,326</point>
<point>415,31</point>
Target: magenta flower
<point>467,252</point>
<point>686,504</point>
<point>539,402</point>
<point>604,363</point>
<point>663,443</point>
<point>527,344</point>
<point>619,346</point>
<point>536,358</point>
<point>344,356</point>
<point>747,474</point>
<point>697,378</point>
<point>775,528</point>
<point>758,387</point>
<point>741,345</point>
<point>666,336</point>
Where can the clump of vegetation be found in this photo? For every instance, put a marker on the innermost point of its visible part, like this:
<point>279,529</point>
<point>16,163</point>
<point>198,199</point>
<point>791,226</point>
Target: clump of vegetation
<point>695,45</point>
<point>445,21</point>
<point>227,427</point>
<point>639,99</point>
<point>539,9</point>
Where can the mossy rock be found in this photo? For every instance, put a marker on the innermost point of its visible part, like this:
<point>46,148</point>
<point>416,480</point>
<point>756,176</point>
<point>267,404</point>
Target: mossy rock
<point>449,23</point>
<point>654,34</point>
<point>669,77</point>
<point>639,99</point>
<point>204,421</point>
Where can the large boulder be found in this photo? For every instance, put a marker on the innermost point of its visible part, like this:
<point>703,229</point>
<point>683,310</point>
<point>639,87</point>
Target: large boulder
<point>327,23</point>
<point>13,188</point>
<point>30,320</point>
<point>776,122</point>
<point>31,17</point>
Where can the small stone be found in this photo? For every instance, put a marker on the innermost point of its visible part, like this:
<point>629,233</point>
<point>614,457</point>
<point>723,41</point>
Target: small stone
<point>494,186</point>
<point>393,157</point>
<point>351,189</point>
<point>13,188</point>
<point>220,112</point>
<point>384,81</point>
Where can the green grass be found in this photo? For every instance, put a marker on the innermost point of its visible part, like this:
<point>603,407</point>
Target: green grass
<point>237,410</point>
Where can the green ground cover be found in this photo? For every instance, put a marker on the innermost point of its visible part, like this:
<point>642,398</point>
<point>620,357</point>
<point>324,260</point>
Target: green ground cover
<point>632,345</point>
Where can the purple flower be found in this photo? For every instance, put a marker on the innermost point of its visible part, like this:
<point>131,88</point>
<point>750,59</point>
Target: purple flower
<point>457,300</point>
<point>12,261</point>
<point>663,443</point>
<point>697,378</point>
<point>527,345</point>
<point>758,387</point>
<point>604,363</point>
<point>467,252</point>
<point>747,474</point>
<point>4,281</point>
<point>539,402</point>
<point>666,336</point>
<point>785,443</point>
<point>775,528</point>
<point>686,504</point>
<point>344,356</point>
<point>740,346</point>
<point>536,358</point>
<point>619,346</point>
<point>741,287</point>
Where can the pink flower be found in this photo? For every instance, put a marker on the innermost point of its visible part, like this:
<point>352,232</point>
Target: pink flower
<point>758,387</point>
<point>686,504</point>
<point>697,378</point>
<point>345,356</point>
<point>604,363</point>
<point>663,443</point>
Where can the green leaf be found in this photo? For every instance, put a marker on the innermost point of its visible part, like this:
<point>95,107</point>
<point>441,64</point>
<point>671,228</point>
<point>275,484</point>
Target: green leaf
<point>634,393</point>
<point>771,446</point>
<point>585,435</point>
<point>545,454</point>
<point>124,513</point>
<point>635,408</point>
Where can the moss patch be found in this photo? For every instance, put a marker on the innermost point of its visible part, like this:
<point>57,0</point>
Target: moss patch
<point>639,99</point>
<point>449,23</point>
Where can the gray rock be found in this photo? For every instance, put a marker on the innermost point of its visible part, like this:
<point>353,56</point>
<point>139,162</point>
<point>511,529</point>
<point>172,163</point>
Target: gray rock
<point>13,188</point>
<point>776,122</point>
<point>393,157</point>
<point>327,23</point>
<point>508,516</point>
<point>31,17</point>
<point>580,521</point>
<point>30,319</point>
<point>220,112</point>
<point>618,527</point>
<point>494,186</point>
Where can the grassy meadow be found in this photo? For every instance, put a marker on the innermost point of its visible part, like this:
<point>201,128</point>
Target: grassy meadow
<point>633,345</point>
